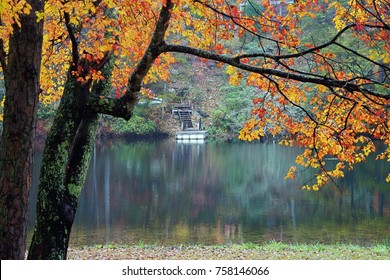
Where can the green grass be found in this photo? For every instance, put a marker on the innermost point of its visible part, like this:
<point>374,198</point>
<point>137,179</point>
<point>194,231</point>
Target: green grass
<point>267,251</point>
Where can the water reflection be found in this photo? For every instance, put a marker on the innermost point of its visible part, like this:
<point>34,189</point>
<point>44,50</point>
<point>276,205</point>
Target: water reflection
<point>166,193</point>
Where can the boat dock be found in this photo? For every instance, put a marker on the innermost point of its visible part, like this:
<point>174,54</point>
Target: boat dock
<point>191,135</point>
<point>190,132</point>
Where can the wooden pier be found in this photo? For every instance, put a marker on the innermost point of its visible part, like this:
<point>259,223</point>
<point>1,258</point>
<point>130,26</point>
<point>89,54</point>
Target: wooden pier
<point>189,132</point>
<point>191,135</point>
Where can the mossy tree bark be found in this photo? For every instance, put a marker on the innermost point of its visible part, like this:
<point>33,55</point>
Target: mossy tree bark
<point>21,69</point>
<point>65,164</point>
<point>56,203</point>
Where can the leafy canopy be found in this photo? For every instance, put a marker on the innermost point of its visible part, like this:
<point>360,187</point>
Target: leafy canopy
<point>338,81</point>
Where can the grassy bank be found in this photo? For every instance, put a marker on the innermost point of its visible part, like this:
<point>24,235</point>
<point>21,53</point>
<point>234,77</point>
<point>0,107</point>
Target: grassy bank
<point>246,251</point>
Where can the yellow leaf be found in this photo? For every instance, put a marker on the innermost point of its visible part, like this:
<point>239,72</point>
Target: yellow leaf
<point>1,109</point>
<point>40,16</point>
<point>291,173</point>
<point>230,70</point>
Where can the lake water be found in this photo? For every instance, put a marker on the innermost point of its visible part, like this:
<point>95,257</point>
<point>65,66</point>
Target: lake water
<point>169,193</point>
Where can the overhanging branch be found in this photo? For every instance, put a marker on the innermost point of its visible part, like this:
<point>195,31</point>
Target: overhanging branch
<point>233,61</point>
<point>124,106</point>
<point>116,107</point>
<point>69,27</point>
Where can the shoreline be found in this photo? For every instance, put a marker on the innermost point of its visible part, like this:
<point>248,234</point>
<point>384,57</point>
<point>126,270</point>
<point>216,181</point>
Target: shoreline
<point>246,251</point>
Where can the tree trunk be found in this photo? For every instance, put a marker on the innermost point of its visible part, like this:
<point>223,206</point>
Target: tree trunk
<point>21,75</point>
<point>64,167</point>
<point>55,206</point>
<point>69,144</point>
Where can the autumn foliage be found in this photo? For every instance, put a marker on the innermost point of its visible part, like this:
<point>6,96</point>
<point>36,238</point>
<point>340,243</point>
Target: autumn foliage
<point>348,110</point>
<point>328,94</point>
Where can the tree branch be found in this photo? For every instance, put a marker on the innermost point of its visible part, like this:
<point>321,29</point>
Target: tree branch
<point>123,107</point>
<point>116,107</point>
<point>234,20</point>
<point>361,55</point>
<point>376,15</point>
<point>75,52</point>
<point>298,54</point>
<point>325,81</point>
<point>152,52</point>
